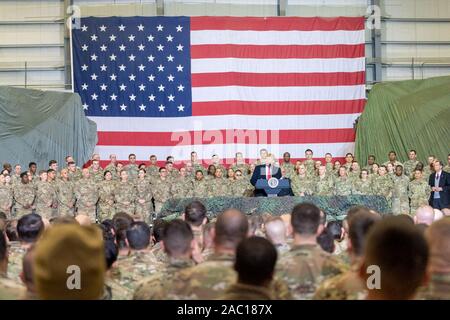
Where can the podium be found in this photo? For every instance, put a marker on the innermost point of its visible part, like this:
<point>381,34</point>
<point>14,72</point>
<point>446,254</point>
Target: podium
<point>274,187</point>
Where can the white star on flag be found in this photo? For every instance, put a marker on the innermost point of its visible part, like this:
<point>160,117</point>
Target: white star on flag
<point>123,107</point>
<point>94,76</point>
<point>161,87</point>
<point>103,67</point>
<point>84,67</point>
<point>180,47</point>
<point>161,107</point>
<point>94,37</point>
<point>94,96</point>
<point>122,87</point>
<point>180,87</point>
<point>132,77</point>
<point>103,87</point>
<point>113,57</point>
<point>170,77</point>
<point>113,77</point>
<point>103,48</point>
<point>84,86</point>
<point>141,67</point>
<point>151,58</point>
<point>122,47</point>
<point>85,106</point>
<point>121,27</point>
<point>160,47</point>
<point>103,28</point>
<point>170,58</point>
<point>94,57</point>
<point>113,97</point>
<point>112,38</point>
<point>180,68</point>
<point>150,38</point>
<point>179,28</point>
<point>151,78</point>
<point>104,107</point>
<point>132,97</point>
<point>180,107</point>
<point>131,37</point>
<point>141,27</point>
<point>132,57</point>
<point>151,97</point>
<point>160,67</point>
<point>84,47</point>
<point>122,67</point>
<point>84,28</point>
<point>160,28</point>
<point>142,107</point>
<point>142,87</point>
<point>169,38</point>
<point>141,47</point>
<point>171,97</point>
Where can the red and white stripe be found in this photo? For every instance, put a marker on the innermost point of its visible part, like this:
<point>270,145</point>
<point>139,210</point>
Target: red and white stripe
<point>285,84</point>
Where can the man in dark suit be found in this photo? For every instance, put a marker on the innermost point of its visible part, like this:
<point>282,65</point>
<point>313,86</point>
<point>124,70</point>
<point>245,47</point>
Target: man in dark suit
<point>440,187</point>
<point>265,171</point>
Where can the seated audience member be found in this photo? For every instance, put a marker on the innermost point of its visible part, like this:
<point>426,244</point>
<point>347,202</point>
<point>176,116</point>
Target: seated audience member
<point>113,290</point>
<point>69,263</point>
<point>400,254</point>
<point>121,223</point>
<point>424,215</point>
<point>348,285</point>
<point>255,263</point>
<point>276,233</point>
<point>438,238</point>
<point>195,215</point>
<point>9,289</point>
<point>326,240</point>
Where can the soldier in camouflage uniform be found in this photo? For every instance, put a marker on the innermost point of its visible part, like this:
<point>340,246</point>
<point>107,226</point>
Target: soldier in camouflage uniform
<point>418,191</point>
<point>15,177</point>
<point>363,186</point>
<point>239,164</point>
<point>400,201</point>
<point>428,168</point>
<point>324,185</point>
<point>195,164</point>
<point>111,167</point>
<point>45,196</point>
<point>75,173</point>
<point>218,187</point>
<point>393,160</point>
<point>86,194</point>
<point>287,165</point>
<point>131,168</point>
<point>161,189</point>
<point>348,161</point>
<point>182,185</point>
<point>172,172</point>
<point>153,169</point>
<point>144,195</point>
<point>306,265</point>
<point>410,165</point>
<point>216,161</point>
<point>199,186</point>
<point>190,172</point>
<point>343,185</point>
<point>302,184</point>
<point>106,188</point>
<point>241,187</point>
<point>355,171</point>
<point>125,195</point>
<point>309,162</point>
<point>382,185</point>
<point>370,162</point>
<point>6,197</point>
<point>348,285</point>
<point>373,174</point>
<point>329,163</point>
<point>140,262</point>
<point>178,238</point>
<point>336,166</point>
<point>24,195</point>
<point>96,171</point>
<point>390,170</point>
<point>65,195</point>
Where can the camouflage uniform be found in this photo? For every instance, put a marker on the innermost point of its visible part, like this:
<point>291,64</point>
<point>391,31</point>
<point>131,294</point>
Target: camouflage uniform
<point>97,176</point>
<point>9,289</point>
<point>289,169</point>
<point>124,197</point>
<point>427,172</point>
<point>86,193</point>
<point>438,288</point>
<point>382,186</point>
<point>66,198</point>
<point>241,188</point>
<point>395,163</point>
<point>15,179</point>
<point>241,166</point>
<point>309,165</point>
<point>135,267</point>
<point>24,195</point>
<point>75,176</point>
<point>301,185</point>
<point>115,291</point>
<point>324,186</point>
<point>400,201</point>
<point>152,170</point>
<point>156,286</point>
<point>6,199</point>
<point>240,291</point>
<point>198,166</point>
<point>329,167</point>
<point>354,175</point>
<point>345,286</point>
<point>200,188</point>
<point>133,170</point>
<point>409,167</point>
<point>447,168</point>
<point>106,208</point>
<point>208,280</point>
<point>173,174</point>
<point>143,192</point>
<point>45,199</point>
<point>161,193</point>
<point>112,168</point>
<point>419,192</point>
<point>181,187</point>
<point>305,267</point>
<point>15,260</point>
<point>159,253</point>
<point>219,187</point>
<point>343,186</point>
<point>362,187</point>
<point>282,249</point>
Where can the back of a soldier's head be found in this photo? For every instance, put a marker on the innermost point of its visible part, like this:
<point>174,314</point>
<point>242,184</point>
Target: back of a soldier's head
<point>158,229</point>
<point>306,219</point>
<point>111,252</point>
<point>231,228</point>
<point>359,226</point>
<point>121,222</point>
<point>138,235</point>
<point>255,261</point>
<point>438,238</point>
<point>275,230</point>
<point>177,238</point>
<point>195,213</point>
<point>400,253</point>
<point>425,215</point>
<point>29,227</point>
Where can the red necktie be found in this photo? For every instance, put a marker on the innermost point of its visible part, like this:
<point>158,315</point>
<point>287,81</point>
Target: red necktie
<point>269,175</point>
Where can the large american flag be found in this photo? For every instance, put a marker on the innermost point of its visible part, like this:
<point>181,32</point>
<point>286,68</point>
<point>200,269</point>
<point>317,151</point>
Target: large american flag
<point>218,85</point>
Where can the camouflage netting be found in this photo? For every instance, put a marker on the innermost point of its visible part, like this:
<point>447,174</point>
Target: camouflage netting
<point>334,206</point>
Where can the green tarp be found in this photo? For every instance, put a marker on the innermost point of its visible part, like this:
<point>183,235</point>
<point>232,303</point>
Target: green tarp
<point>42,125</point>
<point>406,115</point>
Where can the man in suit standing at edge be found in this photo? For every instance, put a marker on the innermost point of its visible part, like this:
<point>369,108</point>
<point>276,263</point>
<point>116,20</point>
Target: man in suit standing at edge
<point>439,182</point>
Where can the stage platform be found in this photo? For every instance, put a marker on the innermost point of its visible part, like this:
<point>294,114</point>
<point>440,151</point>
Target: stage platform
<point>335,206</point>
